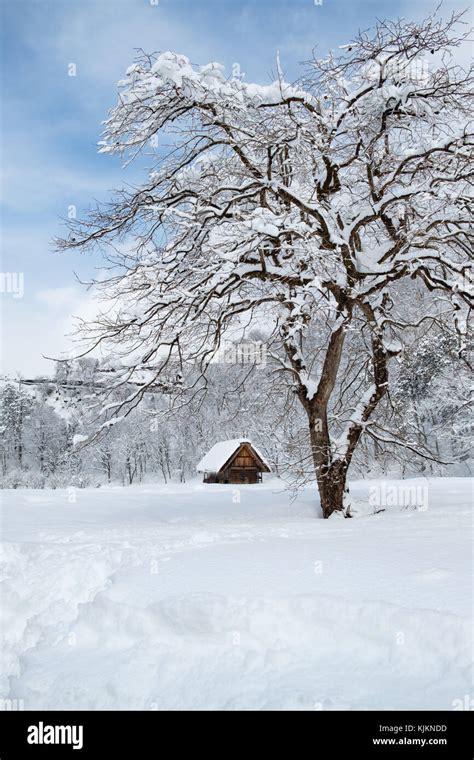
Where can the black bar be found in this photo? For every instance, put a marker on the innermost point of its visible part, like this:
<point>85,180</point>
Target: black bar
<point>414,734</point>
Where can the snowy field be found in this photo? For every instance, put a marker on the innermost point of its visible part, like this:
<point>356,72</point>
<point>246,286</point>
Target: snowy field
<point>178,596</point>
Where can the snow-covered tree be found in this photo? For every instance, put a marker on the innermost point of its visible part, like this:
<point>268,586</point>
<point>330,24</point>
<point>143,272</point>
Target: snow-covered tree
<point>15,410</point>
<point>434,390</point>
<point>314,209</point>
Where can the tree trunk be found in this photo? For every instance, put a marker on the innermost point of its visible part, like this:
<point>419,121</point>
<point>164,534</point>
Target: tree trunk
<point>331,492</point>
<point>330,475</point>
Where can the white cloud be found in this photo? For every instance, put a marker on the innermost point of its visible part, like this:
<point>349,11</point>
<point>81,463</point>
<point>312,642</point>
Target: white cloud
<point>40,327</point>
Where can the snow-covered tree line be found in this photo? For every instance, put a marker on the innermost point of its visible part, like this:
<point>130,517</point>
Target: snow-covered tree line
<point>337,211</point>
<point>44,420</point>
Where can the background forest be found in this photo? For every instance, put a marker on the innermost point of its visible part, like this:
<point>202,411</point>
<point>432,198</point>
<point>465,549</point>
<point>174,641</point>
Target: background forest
<point>43,422</point>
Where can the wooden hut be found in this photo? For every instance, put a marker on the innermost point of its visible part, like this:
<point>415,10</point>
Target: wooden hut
<point>235,461</point>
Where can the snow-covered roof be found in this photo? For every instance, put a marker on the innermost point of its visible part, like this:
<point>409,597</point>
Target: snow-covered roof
<point>221,453</point>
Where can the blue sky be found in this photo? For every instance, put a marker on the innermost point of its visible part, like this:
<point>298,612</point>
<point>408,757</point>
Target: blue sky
<point>50,121</point>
